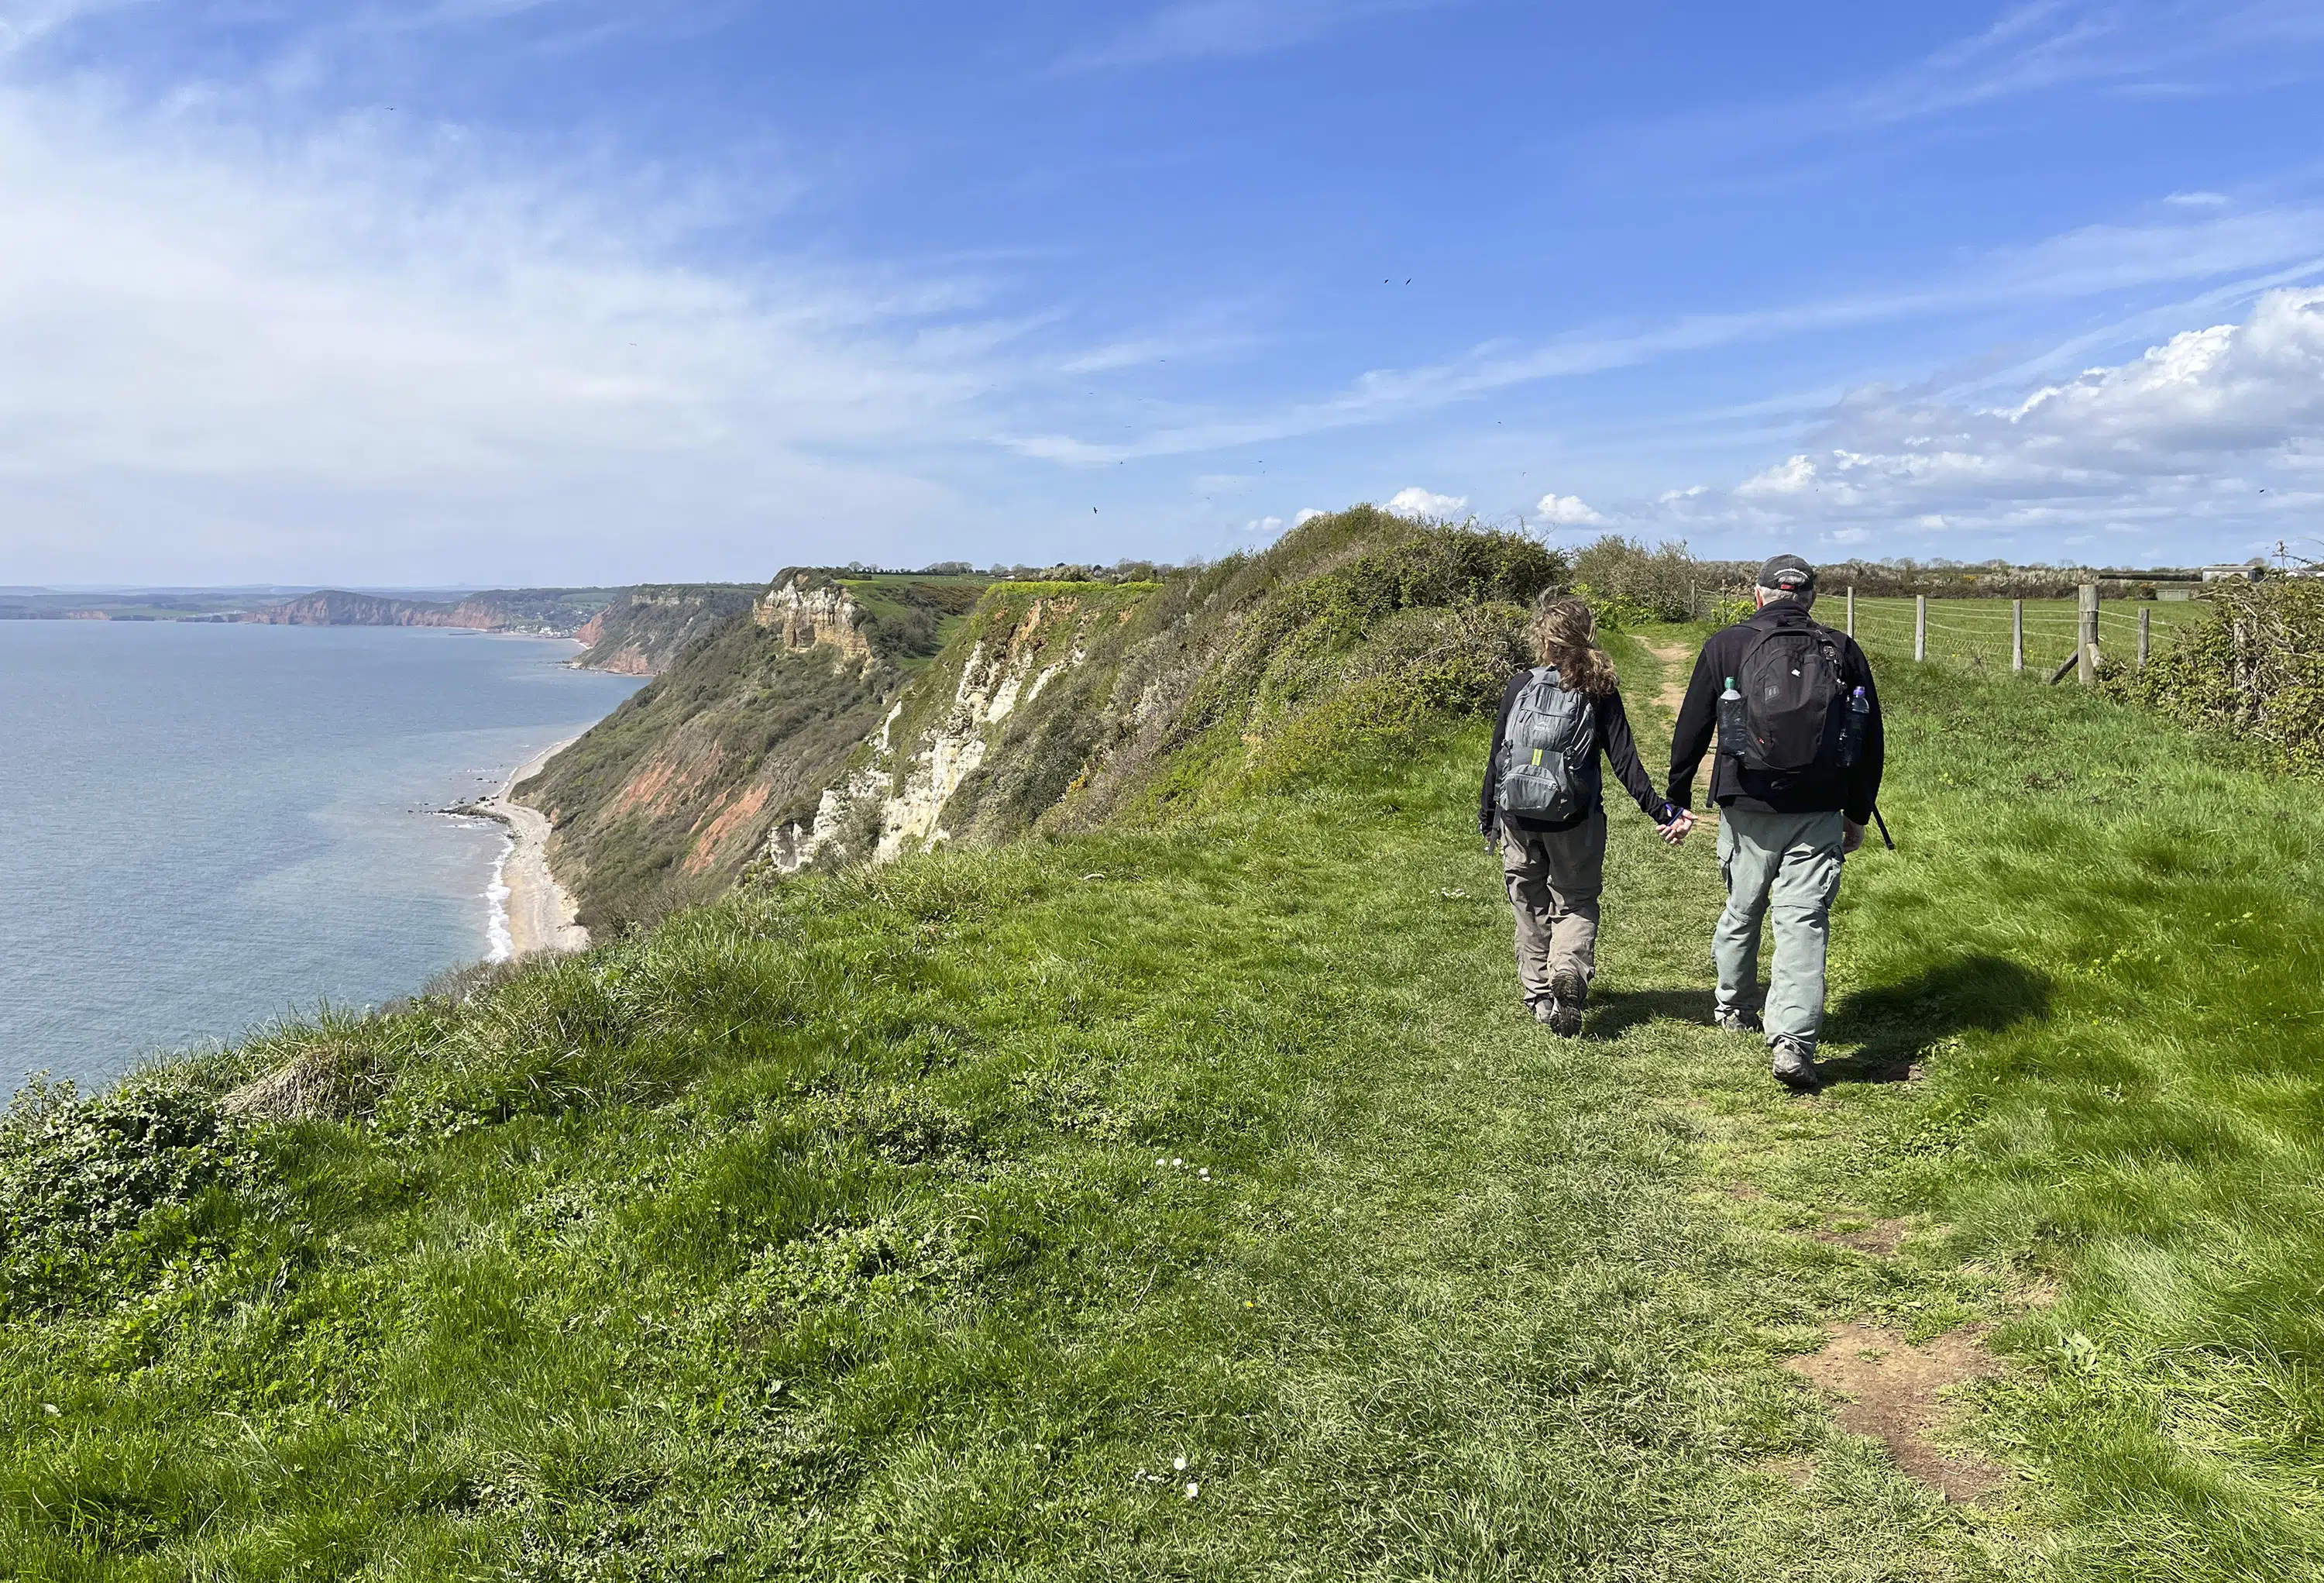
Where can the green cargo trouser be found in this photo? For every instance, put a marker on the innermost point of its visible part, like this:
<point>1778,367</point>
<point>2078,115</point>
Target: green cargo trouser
<point>1555,879</point>
<point>1789,864</point>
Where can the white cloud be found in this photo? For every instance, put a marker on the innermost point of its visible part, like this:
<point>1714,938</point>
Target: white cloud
<point>315,355</point>
<point>1566,511</point>
<point>1421,502</point>
<point>2220,428</point>
<point>1265,527</point>
<point>2197,199</point>
<point>1308,514</point>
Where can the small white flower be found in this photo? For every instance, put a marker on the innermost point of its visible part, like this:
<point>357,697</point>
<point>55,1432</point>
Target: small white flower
<point>1192,1489</point>
<point>1176,1164</point>
<point>1159,1163</point>
<point>1178,1463</point>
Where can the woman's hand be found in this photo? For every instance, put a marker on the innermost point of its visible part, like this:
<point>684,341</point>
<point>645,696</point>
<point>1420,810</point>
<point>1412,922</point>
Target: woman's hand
<point>1675,831</point>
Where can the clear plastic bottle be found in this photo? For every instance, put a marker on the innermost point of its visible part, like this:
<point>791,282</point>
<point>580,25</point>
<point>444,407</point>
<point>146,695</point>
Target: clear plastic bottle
<point>1734,723</point>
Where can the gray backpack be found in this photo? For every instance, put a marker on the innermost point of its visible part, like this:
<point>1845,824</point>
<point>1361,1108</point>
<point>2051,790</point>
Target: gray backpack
<point>1549,753</point>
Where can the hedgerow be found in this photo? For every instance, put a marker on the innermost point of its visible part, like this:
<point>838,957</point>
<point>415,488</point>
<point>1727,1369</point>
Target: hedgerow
<point>2254,672</point>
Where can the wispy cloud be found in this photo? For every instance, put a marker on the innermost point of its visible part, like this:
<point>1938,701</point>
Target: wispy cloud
<point>1201,29</point>
<point>2288,242</point>
<point>2045,47</point>
<point>322,352</point>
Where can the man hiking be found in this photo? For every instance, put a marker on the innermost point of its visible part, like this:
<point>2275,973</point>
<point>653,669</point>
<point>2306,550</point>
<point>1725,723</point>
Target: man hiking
<point>1797,773</point>
<point>1544,805</point>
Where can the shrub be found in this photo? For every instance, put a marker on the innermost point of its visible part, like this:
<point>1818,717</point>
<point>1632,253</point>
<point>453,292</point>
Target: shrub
<point>82,1179</point>
<point>2255,670</point>
<point>1628,584</point>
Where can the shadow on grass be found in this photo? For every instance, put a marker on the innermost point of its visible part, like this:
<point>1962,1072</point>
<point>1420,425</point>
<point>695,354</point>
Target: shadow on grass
<point>1614,1012</point>
<point>1892,1025</point>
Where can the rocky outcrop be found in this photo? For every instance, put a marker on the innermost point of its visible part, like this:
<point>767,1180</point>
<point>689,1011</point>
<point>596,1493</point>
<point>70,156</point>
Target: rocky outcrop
<point>809,612</point>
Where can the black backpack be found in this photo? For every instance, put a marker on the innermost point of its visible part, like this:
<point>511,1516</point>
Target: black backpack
<point>1549,752</point>
<point>1795,704</point>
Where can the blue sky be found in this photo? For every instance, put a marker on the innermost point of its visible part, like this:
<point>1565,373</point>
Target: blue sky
<point>478,291</point>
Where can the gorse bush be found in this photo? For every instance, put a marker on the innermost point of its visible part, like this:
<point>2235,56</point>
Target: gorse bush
<point>2254,670</point>
<point>1629,585</point>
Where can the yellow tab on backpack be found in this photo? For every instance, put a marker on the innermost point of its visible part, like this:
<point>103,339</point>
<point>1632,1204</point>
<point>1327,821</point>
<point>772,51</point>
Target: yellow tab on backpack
<point>1536,758</point>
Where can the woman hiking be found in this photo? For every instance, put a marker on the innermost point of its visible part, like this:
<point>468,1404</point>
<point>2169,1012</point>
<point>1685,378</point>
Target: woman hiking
<point>1543,804</point>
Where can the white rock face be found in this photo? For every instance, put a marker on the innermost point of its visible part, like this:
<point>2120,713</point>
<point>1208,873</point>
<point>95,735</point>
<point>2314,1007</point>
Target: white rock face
<point>912,792</point>
<point>807,616</point>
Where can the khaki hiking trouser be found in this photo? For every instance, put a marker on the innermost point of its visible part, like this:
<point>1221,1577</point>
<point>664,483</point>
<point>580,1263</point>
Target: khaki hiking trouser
<point>1787,864</point>
<point>1553,881</point>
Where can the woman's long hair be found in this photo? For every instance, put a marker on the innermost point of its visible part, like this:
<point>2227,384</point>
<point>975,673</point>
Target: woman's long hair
<point>1565,634</point>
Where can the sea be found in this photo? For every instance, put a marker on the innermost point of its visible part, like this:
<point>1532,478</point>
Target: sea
<point>208,827</point>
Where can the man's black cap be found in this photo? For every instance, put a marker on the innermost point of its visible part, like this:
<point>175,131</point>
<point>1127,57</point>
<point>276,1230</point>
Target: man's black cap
<point>1789,574</point>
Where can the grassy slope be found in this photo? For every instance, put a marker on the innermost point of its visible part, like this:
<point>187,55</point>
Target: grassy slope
<point>821,1232</point>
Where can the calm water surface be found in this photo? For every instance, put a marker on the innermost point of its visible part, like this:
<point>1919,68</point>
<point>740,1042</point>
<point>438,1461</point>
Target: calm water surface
<point>203,827</point>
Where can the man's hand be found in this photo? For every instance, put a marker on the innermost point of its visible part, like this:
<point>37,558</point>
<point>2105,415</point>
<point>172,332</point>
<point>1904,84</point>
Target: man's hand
<point>1851,834</point>
<point>1677,830</point>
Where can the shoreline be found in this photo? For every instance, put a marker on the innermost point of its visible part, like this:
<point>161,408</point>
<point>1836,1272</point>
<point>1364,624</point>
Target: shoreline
<point>532,912</point>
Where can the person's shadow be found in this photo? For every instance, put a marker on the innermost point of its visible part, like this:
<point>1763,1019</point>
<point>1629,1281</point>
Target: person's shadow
<point>1892,1025</point>
<point>1614,1011</point>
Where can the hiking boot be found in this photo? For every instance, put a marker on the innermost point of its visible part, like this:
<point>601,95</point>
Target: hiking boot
<point>1793,1067</point>
<point>1735,1020</point>
<point>1568,991</point>
<point>1545,1010</point>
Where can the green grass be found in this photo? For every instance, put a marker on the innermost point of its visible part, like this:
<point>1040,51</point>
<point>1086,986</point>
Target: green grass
<point>1975,633</point>
<point>837,1230</point>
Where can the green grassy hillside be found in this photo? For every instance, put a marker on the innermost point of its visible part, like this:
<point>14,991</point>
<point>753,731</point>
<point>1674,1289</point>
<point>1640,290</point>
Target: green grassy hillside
<point>919,1221</point>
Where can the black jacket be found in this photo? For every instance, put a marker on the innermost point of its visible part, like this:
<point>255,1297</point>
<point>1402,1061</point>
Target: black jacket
<point>1614,740</point>
<point>1852,792</point>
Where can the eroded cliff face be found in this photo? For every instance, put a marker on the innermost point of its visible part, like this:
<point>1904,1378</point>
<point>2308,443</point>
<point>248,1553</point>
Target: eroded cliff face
<point>808,612</point>
<point>856,717</point>
<point>937,736</point>
<point>645,630</point>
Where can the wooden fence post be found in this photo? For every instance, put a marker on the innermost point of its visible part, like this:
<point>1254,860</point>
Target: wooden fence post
<point>1852,609</point>
<point>2145,616</point>
<point>1693,602</point>
<point>2086,654</point>
<point>1920,626</point>
<point>2016,634</point>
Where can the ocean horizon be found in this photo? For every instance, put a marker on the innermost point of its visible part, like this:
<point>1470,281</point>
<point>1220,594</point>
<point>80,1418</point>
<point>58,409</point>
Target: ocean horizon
<point>208,827</point>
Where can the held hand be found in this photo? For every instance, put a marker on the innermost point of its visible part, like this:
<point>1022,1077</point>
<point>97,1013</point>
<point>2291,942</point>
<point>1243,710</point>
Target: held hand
<point>1851,834</point>
<point>1675,831</point>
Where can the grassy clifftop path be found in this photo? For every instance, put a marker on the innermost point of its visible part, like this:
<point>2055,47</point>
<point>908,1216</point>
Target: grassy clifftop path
<point>1192,1198</point>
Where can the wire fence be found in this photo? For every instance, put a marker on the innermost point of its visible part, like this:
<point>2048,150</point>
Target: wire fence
<point>1976,632</point>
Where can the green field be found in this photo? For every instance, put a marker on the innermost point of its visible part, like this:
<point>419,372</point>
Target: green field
<point>1976,633</point>
<point>915,1223</point>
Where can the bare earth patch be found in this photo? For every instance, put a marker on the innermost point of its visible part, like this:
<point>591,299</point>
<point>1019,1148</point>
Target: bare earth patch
<point>1881,1238</point>
<point>1888,1387</point>
<point>1678,664</point>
